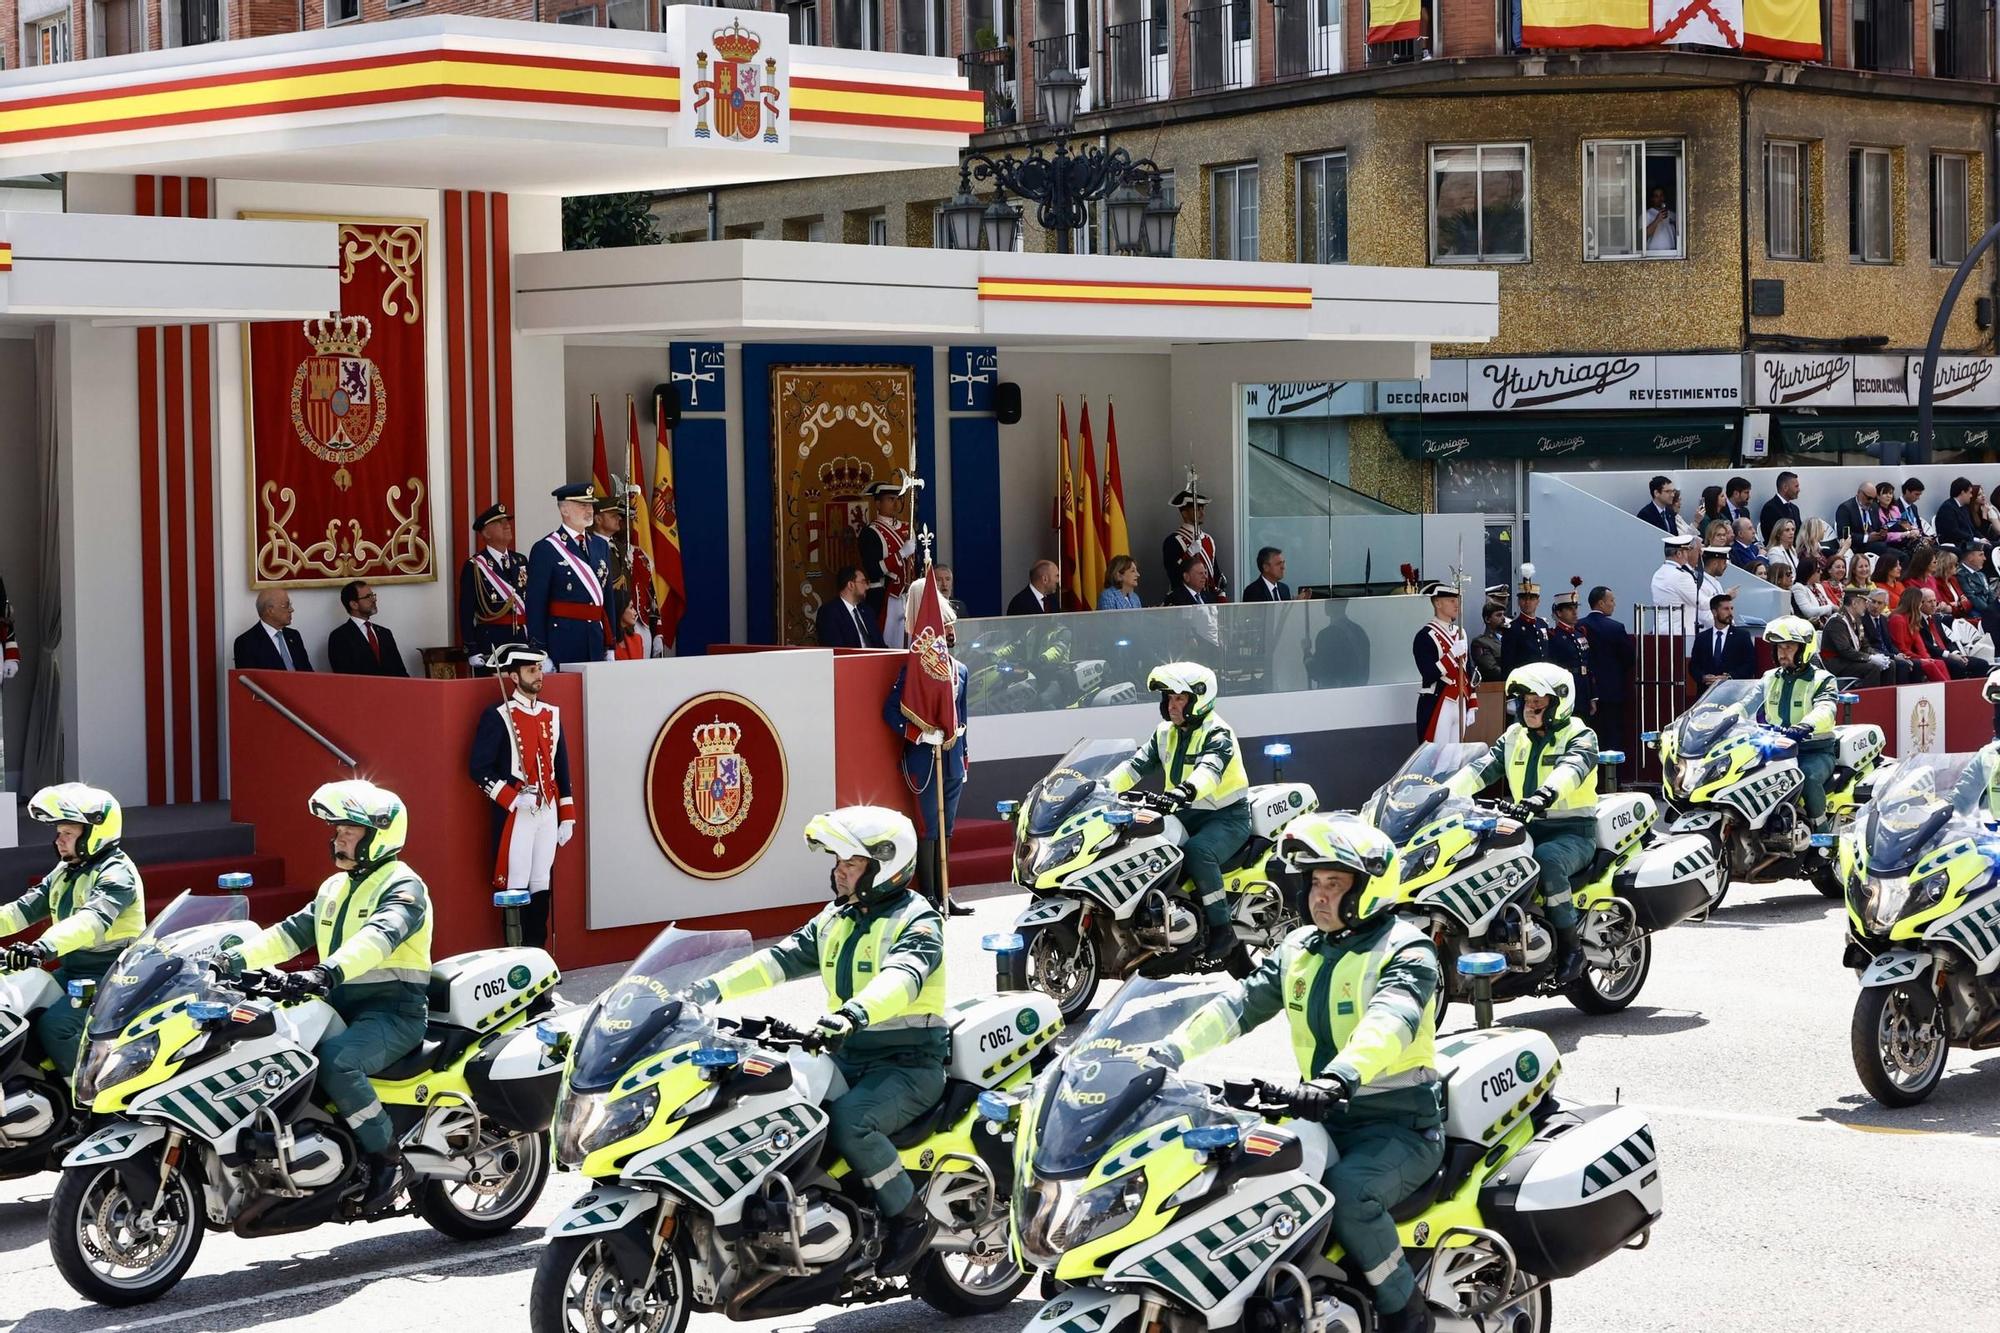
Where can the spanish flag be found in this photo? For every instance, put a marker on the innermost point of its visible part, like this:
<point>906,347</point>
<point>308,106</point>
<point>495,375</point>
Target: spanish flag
<point>1786,29</point>
<point>1562,23</point>
<point>669,578</point>
<point>1091,558</point>
<point>639,519</point>
<point>1394,20</point>
<point>1117,538</point>
<point>1072,575</point>
<point>600,470</point>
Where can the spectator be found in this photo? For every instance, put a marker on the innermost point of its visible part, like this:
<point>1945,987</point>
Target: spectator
<point>1809,596</point>
<point>1897,530</point>
<point>1833,577</point>
<point>1855,522</point>
<point>1041,595</point>
<point>1658,511</point>
<point>1744,552</point>
<point>1937,641</point>
<point>1950,591</point>
<point>1782,549</point>
<point>1917,572</point>
<point>1913,507</point>
<point>1269,585</point>
<point>1953,523</point>
<point>1714,562</point>
<point>272,644</point>
<point>1815,537</point>
<point>1848,649</point>
<point>1610,669</point>
<point>1761,569</point>
<point>1663,232</point>
<point>358,646</point>
<point>1486,645</point>
<point>1736,498</point>
<point>1121,585</point>
<point>844,622</point>
<point>1985,524</point>
<point>1674,511</point>
<point>946,582</point>
<point>1906,632</point>
<point>1674,586</point>
<point>1785,504</point>
<point>1723,651</point>
<point>1713,507</point>
<point>1190,584</point>
<point>1903,666</point>
<point>1977,581</point>
<point>1888,576</point>
<point>1717,532</point>
<point>631,645</point>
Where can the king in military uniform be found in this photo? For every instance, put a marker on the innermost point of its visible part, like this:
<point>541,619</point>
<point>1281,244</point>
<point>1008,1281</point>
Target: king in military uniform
<point>568,595</point>
<point>492,589</point>
<point>886,547</point>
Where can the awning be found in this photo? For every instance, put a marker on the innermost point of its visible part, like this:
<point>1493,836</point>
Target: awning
<point>1833,433</point>
<point>1566,436</point>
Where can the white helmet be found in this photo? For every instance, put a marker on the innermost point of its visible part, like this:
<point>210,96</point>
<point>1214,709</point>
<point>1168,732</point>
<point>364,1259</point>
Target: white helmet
<point>1992,690</point>
<point>886,837</point>
<point>1545,678</point>
<point>1191,678</point>
<point>76,803</point>
<point>377,810</point>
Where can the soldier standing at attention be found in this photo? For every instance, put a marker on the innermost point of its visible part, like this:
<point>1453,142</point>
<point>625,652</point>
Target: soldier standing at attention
<point>1526,638</point>
<point>569,604</point>
<point>886,547</point>
<point>492,589</point>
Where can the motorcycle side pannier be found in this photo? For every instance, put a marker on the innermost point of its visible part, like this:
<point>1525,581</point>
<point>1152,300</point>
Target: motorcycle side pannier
<point>1587,1184</point>
<point>1671,881</point>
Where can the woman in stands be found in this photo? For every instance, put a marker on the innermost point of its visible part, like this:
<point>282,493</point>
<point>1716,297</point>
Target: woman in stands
<point>1782,548</point>
<point>1888,575</point>
<point>1906,633</point>
<point>1951,593</point>
<point>1921,572</point>
<point>1808,599</point>
<point>1815,539</point>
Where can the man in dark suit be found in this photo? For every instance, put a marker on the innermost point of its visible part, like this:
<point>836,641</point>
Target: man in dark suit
<point>1656,511</point>
<point>1954,517</point>
<point>358,646</point>
<point>1848,650</point>
<point>272,644</point>
<point>844,622</point>
<point>1190,584</point>
<point>1902,669</point>
<point>1610,670</point>
<point>1724,652</point>
<point>1736,499</point>
<point>1781,506</point>
<point>1042,593</point>
<point>1856,521</point>
<point>1269,585</point>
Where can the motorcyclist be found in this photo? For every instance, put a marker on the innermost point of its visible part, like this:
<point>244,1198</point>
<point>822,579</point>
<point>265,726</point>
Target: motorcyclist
<point>1802,699</point>
<point>1979,785</point>
<point>879,948</point>
<point>1201,766</point>
<point>371,924</point>
<point>1549,759</point>
<point>1360,995</point>
<point>93,900</point>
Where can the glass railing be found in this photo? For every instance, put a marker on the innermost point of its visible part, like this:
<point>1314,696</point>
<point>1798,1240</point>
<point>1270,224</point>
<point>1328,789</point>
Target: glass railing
<point>1097,659</point>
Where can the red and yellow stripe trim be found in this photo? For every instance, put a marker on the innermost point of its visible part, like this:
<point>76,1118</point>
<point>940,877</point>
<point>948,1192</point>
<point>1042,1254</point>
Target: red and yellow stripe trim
<point>1087,292</point>
<point>887,105</point>
<point>404,76</point>
<point>6,256</point>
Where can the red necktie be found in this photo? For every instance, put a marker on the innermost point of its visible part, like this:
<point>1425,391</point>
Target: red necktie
<point>374,646</point>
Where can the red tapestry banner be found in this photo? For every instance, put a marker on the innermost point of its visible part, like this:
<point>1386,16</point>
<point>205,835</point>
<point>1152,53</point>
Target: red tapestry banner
<point>337,416</point>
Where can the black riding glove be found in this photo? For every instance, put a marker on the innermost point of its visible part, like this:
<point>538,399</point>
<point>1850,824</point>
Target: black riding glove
<point>27,955</point>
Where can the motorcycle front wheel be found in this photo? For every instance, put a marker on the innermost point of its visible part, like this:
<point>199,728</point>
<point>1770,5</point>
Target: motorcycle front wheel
<point>1899,1043</point>
<point>578,1289</point>
<point>105,1245</point>
<point>1069,977</point>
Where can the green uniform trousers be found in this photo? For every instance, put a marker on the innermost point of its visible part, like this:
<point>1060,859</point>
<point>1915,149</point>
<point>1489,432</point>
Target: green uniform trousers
<point>381,1029</point>
<point>1563,847</point>
<point>1816,765</point>
<point>60,1028</point>
<point>1376,1167</point>
<point>882,1097</point>
<point>1213,836</point>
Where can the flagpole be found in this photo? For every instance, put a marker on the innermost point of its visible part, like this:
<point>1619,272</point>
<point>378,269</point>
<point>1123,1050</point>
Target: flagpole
<point>1062,504</point>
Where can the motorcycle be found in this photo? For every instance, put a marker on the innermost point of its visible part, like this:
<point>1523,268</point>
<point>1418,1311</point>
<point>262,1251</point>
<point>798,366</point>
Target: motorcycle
<point>1921,868</point>
<point>1735,781</point>
<point>1159,1201</point>
<point>1466,869</point>
<point>712,1188</point>
<point>1110,894</point>
<point>206,1088</point>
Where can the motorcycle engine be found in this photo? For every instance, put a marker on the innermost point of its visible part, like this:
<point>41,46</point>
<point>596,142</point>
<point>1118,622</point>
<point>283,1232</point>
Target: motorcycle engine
<point>315,1159</point>
<point>1537,944</point>
<point>826,1228</point>
<point>826,1236</point>
<point>1164,921</point>
<point>25,1113</point>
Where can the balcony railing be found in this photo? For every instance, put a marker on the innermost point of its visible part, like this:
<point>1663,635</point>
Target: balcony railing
<point>1883,40</point>
<point>1134,64</point>
<point>1962,39</point>
<point>1070,51</point>
<point>1218,39</point>
<point>1397,53</point>
<point>1304,48</point>
<point>991,74</point>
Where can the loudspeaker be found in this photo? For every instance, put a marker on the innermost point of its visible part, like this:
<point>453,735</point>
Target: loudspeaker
<point>669,400</point>
<point>1006,402</point>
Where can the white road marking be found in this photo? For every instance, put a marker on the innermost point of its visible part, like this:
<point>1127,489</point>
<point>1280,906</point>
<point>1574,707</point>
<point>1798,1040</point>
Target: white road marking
<point>1781,1121</point>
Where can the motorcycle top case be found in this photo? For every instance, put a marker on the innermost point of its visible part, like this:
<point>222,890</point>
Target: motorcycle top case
<point>1276,804</point>
<point>994,1036</point>
<point>484,989</point>
<point>1587,1184</point>
<point>1670,881</point>
<point>1493,1077</point>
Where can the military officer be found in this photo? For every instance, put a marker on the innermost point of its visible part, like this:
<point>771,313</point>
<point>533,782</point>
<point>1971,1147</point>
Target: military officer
<point>611,514</point>
<point>1189,540</point>
<point>887,547</point>
<point>1569,648</point>
<point>568,597</point>
<point>492,589</point>
<point>1526,638</point>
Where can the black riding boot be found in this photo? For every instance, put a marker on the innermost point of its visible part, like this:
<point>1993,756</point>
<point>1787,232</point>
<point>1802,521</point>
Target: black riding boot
<point>385,1171</point>
<point>1569,954</point>
<point>903,1239</point>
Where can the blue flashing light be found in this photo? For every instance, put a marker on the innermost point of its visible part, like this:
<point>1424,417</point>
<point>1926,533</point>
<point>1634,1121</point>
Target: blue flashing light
<point>1118,818</point>
<point>1850,698</point>
<point>1006,809</point>
<point>1610,756</point>
<point>1482,823</point>
<point>1208,1138</point>
<point>1278,750</point>
<point>512,898</point>
<point>716,1057</point>
<point>235,879</point>
<point>548,1034</point>
<point>1649,737</point>
<point>996,1106</point>
<point>1005,942</point>
<point>81,990</point>
<point>1124,643</point>
<point>1481,964</point>
<point>209,1011</point>
<point>1823,840</point>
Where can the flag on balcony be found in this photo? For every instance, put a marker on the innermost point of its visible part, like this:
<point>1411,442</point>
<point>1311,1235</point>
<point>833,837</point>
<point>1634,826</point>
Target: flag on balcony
<point>639,519</point>
<point>1395,20</point>
<point>1785,29</point>
<point>1066,512</point>
<point>1560,23</point>
<point>600,469</point>
<point>1117,537</point>
<point>669,577</point>
<point>1091,557</point>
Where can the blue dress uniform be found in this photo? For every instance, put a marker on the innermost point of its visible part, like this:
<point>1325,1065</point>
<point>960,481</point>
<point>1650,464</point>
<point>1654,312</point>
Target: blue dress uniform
<point>492,594</point>
<point>919,766</point>
<point>568,595</point>
<point>1569,648</point>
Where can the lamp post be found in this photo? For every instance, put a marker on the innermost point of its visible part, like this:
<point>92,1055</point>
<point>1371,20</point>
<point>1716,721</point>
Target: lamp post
<point>1062,184</point>
<point>1926,387</point>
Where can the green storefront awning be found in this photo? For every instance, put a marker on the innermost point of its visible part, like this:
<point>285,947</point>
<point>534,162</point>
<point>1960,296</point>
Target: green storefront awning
<point>1441,437</point>
<point>1832,433</point>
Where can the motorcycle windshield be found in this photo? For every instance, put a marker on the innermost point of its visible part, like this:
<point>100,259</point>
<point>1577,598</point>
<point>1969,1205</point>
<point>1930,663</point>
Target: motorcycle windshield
<point>1727,707</point>
<point>645,1012</point>
<point>1417,795</point>
<point>146,975</point>
<point>188,911</point>
<point>1927,799</point>
<point>1072,782</point>
<point>1106,1090</point>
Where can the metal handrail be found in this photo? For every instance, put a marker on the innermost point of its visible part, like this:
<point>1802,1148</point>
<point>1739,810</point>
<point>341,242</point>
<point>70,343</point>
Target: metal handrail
<point>262,695</point>
<point>1213,58</point>
<point>1129,53</point>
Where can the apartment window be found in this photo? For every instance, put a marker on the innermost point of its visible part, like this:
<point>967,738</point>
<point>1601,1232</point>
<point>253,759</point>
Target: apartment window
<point>51,40</point>
<point>1951,206</point>
<point>1233,212</point>
<point>816,230</point>
<point>924,25</point>
<point>576,18</point>
<point>623,15</point>
<point>1322,227</point>
<point>878,229</point>
<point>116,28</point>
<point>1632,191</point>
<point>805,23</point>
<point>1871,234</point>
<point>1479,203</point>
<point>1787,212</point>
<point>857,24</point>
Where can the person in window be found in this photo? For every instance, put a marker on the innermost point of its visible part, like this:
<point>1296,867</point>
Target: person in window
<point>1663,231</point>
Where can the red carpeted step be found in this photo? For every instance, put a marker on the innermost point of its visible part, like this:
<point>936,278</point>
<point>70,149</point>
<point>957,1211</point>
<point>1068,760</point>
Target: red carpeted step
<point>165,882</point>
<point>982,852</point>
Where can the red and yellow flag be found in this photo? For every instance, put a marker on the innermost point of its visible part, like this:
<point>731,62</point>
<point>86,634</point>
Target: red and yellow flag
<point>600,469</point>
<point>1394,20</point>
<point>639,515</point>
<point>1091,558</point>
<point>1786,29</point>
<point>669,578</point>
<point>1562,23</point>
<point>1066,512</point>
<point>1117,537</point>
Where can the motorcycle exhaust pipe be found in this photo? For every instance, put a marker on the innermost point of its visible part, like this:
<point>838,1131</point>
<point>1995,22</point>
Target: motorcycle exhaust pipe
<point>1521,1323</point>
<point>510,1162</point>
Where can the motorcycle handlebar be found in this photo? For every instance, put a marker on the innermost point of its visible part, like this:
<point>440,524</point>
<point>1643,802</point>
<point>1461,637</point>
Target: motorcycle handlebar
<point>768,1031</point>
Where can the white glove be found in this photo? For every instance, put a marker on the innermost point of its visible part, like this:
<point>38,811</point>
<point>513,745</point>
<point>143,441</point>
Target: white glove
<point>476,660</point>
<point>524,803</point>
<point>610,654</point>
<point>563,832</point>
<point>9,668</point>
<point>931,737</point>
<point>661,647</point>
<point>1878,659</point>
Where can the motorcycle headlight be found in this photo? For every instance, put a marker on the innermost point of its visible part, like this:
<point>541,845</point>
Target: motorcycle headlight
<point>1423,862</point>
<point>588,1121</point>
<point>1060,1215</point>
<point>1052,852</point>
<point>1882,900</point>
<point>1927,892</point>
<point>106,1064</point>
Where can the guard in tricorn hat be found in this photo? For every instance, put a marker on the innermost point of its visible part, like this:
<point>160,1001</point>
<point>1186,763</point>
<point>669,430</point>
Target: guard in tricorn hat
<point>1190,540</point>
<point>1446,704</point>
<point>521,761</point>
<point>888,550</point>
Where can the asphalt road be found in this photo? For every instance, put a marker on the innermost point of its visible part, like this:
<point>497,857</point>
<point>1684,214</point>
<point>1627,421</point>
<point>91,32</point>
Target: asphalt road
<point>1793,1201</point>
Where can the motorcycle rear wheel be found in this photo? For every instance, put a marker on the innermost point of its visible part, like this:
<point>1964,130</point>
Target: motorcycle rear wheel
<point>966,1284</point>
<point>465,1211</point>
<point>1899,1065</point>
<point>1607,991</point>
